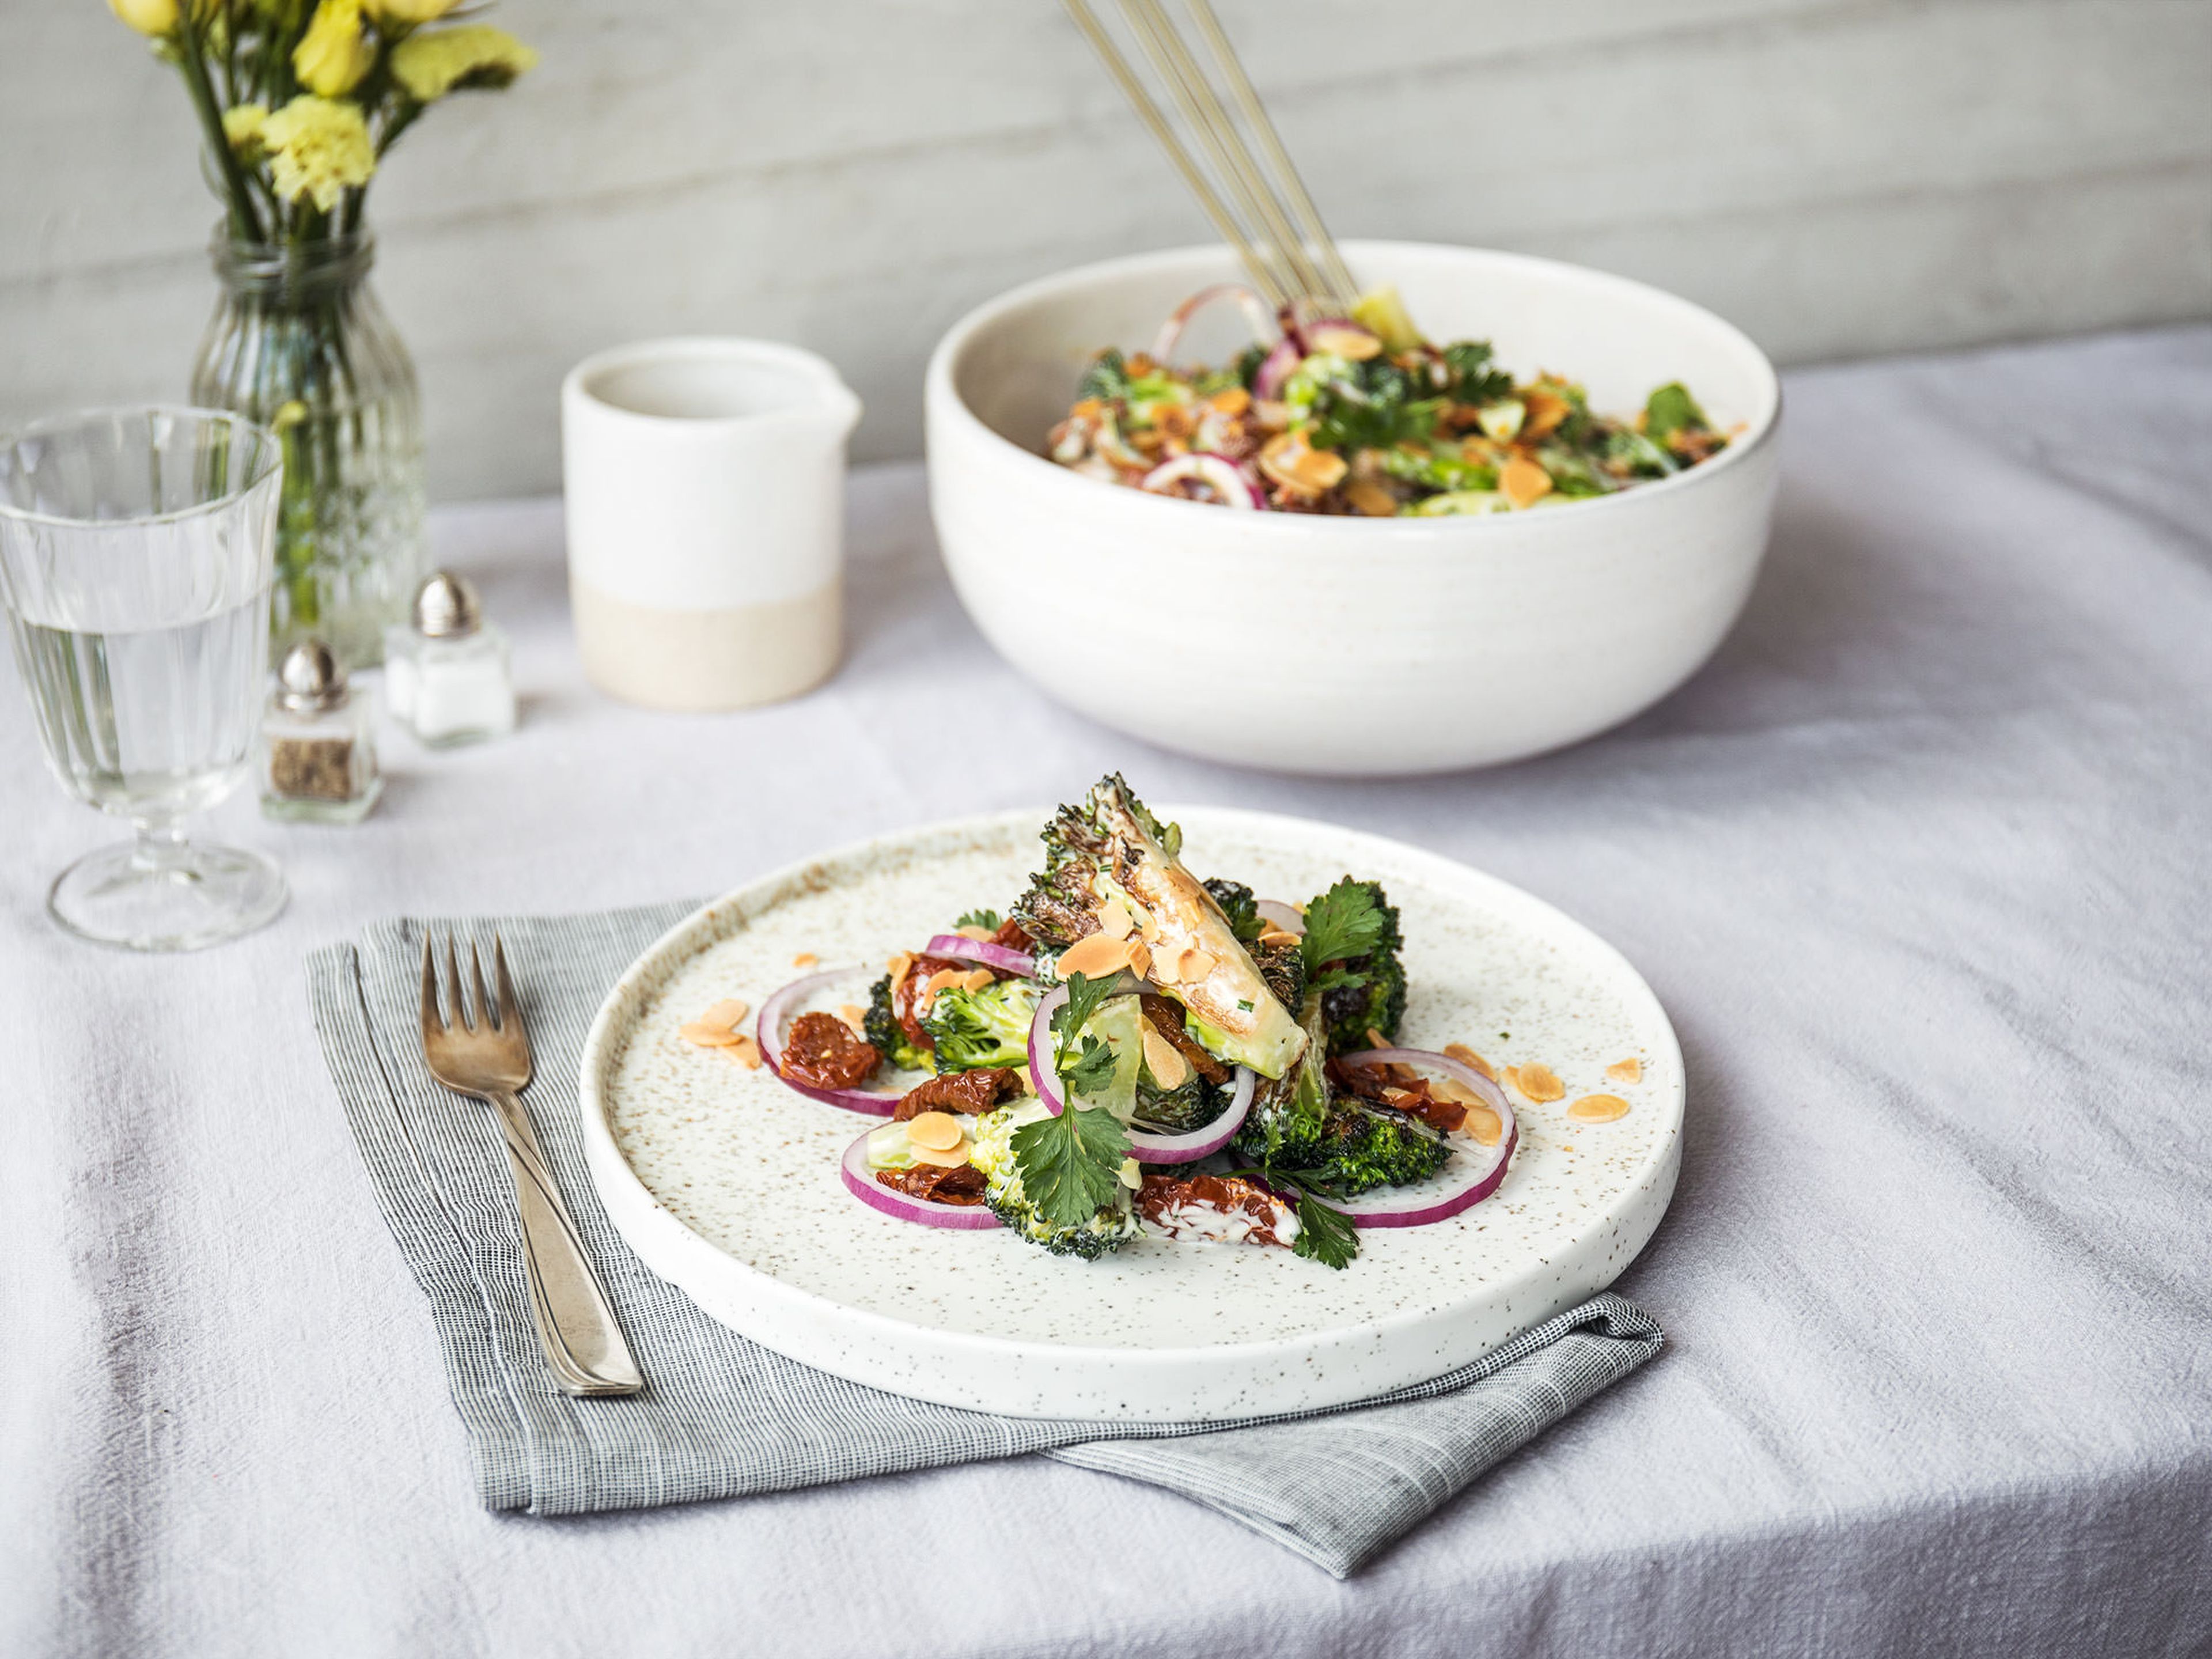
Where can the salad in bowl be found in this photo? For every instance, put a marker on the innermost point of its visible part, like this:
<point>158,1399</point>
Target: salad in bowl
<point>1362,414</point>
<point>1131,1050</point>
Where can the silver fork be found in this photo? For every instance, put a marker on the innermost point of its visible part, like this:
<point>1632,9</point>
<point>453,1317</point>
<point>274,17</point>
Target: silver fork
<point>484,1051</point>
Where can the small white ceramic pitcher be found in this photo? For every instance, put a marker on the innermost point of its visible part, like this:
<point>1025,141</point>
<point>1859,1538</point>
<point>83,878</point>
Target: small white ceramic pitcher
<point>705,487</point>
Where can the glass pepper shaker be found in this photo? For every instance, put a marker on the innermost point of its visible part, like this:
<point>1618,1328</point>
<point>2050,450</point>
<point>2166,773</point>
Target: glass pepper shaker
<point>446,673</point>
<point>317,742</point>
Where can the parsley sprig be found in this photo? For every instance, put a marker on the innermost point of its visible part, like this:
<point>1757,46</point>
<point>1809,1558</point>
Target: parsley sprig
<point>1326,1234</point>
<point>1071,1163</point>
<point>1342,925</point>
<point>979,919</point>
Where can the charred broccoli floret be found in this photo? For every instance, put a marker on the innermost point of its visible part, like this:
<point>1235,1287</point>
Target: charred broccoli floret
<point>976,1029</point>
<point>1110,852</point>
<point>1335,1144</point>
<point>1350,951</point>
<point>882,1027</point>
<point>1109,1229</point>
<point>1237,904</point>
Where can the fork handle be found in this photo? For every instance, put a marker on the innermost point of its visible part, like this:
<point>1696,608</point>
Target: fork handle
<point>576,1322</point>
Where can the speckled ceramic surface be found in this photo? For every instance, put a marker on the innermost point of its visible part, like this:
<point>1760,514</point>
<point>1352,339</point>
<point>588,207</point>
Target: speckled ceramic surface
<point>726,1182</point>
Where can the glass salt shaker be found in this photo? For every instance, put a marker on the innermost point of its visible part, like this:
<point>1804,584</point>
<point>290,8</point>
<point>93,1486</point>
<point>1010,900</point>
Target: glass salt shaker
<point>317,742</point>
<point>446,674</point>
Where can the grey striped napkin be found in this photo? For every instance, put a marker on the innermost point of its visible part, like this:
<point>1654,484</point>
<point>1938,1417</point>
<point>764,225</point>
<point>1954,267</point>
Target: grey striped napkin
<point>723,1417</point>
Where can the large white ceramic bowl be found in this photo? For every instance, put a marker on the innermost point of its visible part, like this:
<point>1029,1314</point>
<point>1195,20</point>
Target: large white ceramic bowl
<point>1340,645</point>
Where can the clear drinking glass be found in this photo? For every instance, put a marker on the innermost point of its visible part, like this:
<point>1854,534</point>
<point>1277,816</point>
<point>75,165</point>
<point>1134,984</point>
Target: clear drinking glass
<point>136,556</point>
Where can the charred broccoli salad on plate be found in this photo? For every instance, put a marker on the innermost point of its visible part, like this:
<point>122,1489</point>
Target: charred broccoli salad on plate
<point>1361,415</point>
<point>1129,1050</point>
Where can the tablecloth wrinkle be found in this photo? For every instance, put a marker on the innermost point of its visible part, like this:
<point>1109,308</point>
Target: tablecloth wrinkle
<point>722,1417</point>
<point>1917,865</point>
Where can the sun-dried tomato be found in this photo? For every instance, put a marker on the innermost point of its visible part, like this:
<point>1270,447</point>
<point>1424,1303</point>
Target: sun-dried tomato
<point>961,1183</point>
<point>822,1052</point>
<point>1010,935</point>
<point>1167,1201</point>
<point>975,1091</point>
<point>908,991</point>
<point>1414,1098</point>
<point>1166,1016</point>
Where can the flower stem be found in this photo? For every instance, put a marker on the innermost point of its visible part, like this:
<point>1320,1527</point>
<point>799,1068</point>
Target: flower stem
<point>193,67</point>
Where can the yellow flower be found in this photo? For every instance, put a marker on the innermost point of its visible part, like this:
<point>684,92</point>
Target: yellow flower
<point>475,55</point>
<point>332,56</point>
<point>317,146</point>
<point>406,14</point>
<point>153,17</point>
<point>244,127</point>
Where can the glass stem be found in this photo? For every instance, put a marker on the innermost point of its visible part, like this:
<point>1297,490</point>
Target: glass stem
<point>160,844</point>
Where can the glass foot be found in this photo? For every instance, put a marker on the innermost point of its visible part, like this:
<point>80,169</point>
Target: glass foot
<point>166,893</point>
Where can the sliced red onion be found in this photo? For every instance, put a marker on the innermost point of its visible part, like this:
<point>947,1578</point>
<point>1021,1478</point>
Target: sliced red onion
<point>1275,368</point>
<point>1288,917</point>
<point>1474,1170</point>
<point>778,1012</point>
<point>861,1182</point>
<point>1148,1146</point>
<point>1170,334</point>
<point>964,949</point>
<point>1217,472</point>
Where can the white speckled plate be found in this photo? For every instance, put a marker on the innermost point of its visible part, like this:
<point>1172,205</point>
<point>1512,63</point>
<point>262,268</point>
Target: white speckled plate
<point>727,1183</point>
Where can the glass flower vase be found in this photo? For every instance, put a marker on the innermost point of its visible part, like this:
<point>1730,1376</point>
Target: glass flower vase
<point>299,343</point>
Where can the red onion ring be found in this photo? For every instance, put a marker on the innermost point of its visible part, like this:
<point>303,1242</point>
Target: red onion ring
<point>1275,368</point>
<point>1171,330</point>
<point>770,1033</point>
<point>1222,475</point>
<point>1288,917</point>
<point>1482,1168</point>
<point>861,1182</point>
<point>1148,1146</point>
<point>964,949</point>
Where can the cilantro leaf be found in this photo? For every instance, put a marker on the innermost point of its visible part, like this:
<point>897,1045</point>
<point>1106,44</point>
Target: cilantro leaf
<point>1341,924</point>
<point>1071,1164</point>
<point>1089,1071</point>
<point>1475,378</point>
<point>979,919</point>
<point>1085,997</point>
<point>1326,1234</point>
<point>1669,410</point>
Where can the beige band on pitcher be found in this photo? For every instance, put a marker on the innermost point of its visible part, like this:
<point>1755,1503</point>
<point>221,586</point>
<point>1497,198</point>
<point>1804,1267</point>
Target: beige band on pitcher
<point>700,661</point>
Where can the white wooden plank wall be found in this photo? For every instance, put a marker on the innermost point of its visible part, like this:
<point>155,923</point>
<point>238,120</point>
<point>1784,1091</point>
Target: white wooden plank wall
<point>1841,176</point>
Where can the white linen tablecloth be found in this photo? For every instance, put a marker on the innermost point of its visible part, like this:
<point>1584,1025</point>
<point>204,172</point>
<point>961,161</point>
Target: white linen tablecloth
<point>1917,865</point>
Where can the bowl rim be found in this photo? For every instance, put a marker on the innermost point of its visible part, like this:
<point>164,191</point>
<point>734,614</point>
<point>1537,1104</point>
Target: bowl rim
<point>942,393</point>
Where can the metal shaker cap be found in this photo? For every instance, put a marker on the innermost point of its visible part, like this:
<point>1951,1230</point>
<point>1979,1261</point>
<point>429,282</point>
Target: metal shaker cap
<point>445,607</point>
<point>310,679</point>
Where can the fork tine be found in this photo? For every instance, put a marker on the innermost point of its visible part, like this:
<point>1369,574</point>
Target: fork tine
<point>487,1012</point>
<point>510,1006</point>
<point>453,978</point>
<point>433,1022</point>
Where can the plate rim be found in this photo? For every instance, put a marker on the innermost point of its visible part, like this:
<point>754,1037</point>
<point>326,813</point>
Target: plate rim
<point>605,1163</point>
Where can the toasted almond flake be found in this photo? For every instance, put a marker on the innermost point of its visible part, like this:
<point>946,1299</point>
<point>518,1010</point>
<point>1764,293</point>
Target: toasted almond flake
<point>1538,1083</point>
<point>1625,1071</point>
<point>943,977</point>
<point>1370,499</point>
<point>1168,1066</point>
<point>1196,964</point>
<point>899,965</point>
<point>976,978</point>
<point>1482,1123</point>
<point>1115,920</point>
<point>1546,411</point>
<point>1271,935</point>
<point>1235,401</point>
<point>1167,965</point>
<point>1451,1088</point>
<point>855,1016</point>
<point>1356,344</point>
<point>706,1036</point>
<point>938,1131</point>
<point>726,1014</point>
<point>746,1052</point>
<point>1466,1057</point>
<point>975,930</point>
<point>1095,956</point>
<point>1523,481</point>
<point>1140,959</point>
<point>807,959</point>
<point>1598,1109</point>
<point>1376,1039</point>
<point>1510,1076</point>
<point>948,1158</point>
